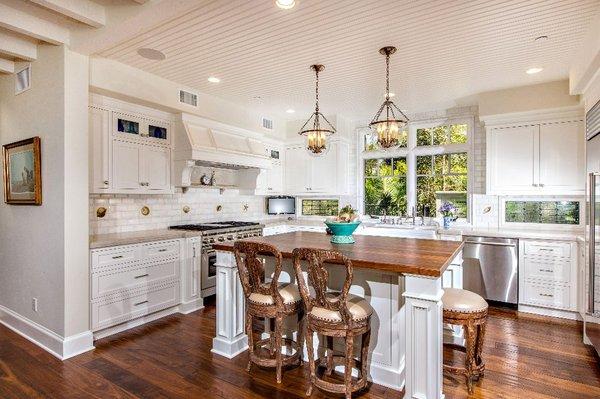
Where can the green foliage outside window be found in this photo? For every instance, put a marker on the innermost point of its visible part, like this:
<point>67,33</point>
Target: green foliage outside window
<point>442,135</point>
<point>442,178</point>
<point>385,186</point>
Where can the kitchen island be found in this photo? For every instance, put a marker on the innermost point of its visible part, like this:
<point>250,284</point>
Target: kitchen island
<point>402,278</point>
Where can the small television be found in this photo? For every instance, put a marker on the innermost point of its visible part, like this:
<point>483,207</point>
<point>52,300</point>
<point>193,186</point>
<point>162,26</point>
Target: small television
<point>281,205</point>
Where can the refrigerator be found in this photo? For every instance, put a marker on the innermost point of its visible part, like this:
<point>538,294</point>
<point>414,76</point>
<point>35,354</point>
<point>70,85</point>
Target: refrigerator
<point>592,286</point>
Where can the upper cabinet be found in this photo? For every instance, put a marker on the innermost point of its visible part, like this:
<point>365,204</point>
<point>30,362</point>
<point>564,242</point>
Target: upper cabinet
<point>326,174</point>
<point>541,158</point>
<point>270,181</point>
<point>130,153</point>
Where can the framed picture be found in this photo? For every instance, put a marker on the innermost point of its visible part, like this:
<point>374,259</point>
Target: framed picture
<point>23,172</point>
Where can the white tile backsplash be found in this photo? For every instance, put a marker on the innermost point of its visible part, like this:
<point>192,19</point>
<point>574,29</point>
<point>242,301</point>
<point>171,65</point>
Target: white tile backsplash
<point>124,211</point>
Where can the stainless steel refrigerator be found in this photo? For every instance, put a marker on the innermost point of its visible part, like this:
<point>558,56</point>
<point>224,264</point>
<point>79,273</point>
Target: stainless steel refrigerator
<point>592,318</point>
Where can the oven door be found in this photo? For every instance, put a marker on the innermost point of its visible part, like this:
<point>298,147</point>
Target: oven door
<point>209,271</point>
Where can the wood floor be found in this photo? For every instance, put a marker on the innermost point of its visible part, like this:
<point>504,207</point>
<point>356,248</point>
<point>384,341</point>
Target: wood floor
<point>527,357</point>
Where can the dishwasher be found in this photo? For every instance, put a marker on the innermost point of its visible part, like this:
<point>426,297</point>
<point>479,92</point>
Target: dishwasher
<point>490,268</point>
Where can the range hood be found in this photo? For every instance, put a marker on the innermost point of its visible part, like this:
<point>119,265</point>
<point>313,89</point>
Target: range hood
<point>204,142</point>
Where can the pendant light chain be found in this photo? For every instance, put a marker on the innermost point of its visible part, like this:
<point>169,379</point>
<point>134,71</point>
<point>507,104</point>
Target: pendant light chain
<point>387,76</point>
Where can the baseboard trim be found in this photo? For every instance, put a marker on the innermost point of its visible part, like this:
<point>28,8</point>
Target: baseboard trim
<point>562,314</point>
<point>134,323</point>
<point>53,343</point>
<point>192,306</point>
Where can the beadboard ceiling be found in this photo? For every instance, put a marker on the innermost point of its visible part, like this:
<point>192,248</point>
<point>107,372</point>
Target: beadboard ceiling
<point>448,51</point>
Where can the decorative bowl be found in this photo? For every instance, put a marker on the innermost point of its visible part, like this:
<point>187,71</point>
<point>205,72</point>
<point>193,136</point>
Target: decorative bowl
<point>342,231</point>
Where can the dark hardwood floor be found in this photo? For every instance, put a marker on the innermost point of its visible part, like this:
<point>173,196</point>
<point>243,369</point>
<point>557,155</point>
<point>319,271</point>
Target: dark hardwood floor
<point>527,357</point>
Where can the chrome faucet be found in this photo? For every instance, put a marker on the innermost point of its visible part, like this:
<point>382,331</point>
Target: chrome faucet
<point>414,214</point>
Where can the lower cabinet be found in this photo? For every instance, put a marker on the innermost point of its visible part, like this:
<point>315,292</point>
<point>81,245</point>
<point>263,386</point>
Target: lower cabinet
<point>132,281</point>
<point>548,275</point>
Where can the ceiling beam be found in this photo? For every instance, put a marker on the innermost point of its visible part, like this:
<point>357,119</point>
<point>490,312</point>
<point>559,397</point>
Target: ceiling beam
<point>85,11</point>
<point>6,66</point>
<point>17,47</point>
<point>29,25</point>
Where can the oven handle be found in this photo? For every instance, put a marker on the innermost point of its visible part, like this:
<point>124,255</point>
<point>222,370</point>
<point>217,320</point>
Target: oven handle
<point>497,244</point>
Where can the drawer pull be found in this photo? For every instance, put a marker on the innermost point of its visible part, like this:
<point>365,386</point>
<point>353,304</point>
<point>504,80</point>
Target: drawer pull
<point>546,270</point>
<point>140,303</point>
<point>162,250</point>
<point>142,275</point>
<point>546,249</point>
<point>547,295</point>
<point>117,257</point>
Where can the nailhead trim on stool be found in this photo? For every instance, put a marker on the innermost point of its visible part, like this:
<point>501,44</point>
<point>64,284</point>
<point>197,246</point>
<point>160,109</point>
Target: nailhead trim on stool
<point>469,310</point>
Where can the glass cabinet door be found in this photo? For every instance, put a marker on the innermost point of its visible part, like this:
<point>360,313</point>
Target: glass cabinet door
<point>128,126</point>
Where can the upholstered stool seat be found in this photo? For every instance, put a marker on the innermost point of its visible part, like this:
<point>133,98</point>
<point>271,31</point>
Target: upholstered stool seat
<point>288,291</point>
<point>358,308</point>
<point>469,310</point>
<point>457,300</point>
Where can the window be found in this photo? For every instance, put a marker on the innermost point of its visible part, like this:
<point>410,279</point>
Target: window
<point>319,207</point>
<point>442,178</point>
<point>551,212</point>
<point>431,166</point>
<point>442,135</point>
<point>385,186</point>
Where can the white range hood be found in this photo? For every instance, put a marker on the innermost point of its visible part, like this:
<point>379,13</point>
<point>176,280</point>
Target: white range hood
<point>203,142</point>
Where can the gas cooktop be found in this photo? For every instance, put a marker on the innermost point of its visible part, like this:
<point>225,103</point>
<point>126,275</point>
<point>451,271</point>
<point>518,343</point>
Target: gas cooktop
<point>215,226</point>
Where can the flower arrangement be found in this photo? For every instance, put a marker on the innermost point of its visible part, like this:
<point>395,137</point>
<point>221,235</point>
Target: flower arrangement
<point>448,209</point>
<point>347,214</point>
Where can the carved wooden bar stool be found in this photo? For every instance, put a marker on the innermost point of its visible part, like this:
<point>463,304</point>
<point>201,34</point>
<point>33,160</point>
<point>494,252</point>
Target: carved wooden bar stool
<point>466,308</point>
<point>270,300</point>
<point>333,314</point>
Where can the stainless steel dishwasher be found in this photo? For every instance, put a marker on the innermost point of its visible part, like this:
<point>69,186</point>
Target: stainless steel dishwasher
<point>490,268</point>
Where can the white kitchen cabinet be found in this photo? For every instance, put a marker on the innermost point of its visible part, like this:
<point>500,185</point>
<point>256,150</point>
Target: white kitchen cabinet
<point>275,179</point>
<point>326,174</point>
<point>190,279</point>
<point>537,159</point>
<point>129,153</point>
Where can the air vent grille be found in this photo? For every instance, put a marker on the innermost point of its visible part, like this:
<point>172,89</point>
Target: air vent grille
<point>188,98</point>
<point>267,123</point>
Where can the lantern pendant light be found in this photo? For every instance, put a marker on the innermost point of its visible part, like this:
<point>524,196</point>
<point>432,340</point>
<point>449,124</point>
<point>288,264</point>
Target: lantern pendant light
<point>317,128</point>
<point>389,119</point>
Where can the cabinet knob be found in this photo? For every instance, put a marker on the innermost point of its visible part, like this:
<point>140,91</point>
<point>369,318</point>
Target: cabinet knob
<point>534,185</point>
<point>105,182</point>
<point>541,185</point>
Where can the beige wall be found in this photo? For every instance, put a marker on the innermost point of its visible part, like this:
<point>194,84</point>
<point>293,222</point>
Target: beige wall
<point>527,98</point>
<point>32,237</point>
<point>44,249</point>
<point>126,83</point>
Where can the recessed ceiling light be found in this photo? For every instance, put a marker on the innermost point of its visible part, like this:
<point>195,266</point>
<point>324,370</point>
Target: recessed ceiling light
<point>285,4</point>
<point>213,79</point>
<point>531,71</point>
<point>542,38</point>
<point>151,54</point>
<point>290,111</point>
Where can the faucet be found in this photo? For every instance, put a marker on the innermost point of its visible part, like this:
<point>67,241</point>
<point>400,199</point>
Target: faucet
<point>414,214</point>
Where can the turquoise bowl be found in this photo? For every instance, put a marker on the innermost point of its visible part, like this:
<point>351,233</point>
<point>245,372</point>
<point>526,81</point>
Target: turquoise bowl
<point>342,232</point>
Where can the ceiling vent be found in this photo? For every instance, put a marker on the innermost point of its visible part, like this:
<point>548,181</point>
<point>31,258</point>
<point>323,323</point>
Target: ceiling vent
<point>188,98</point>
<point>267,123</point>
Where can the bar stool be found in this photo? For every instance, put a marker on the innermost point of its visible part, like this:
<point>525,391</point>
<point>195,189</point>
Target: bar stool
<point>333,314</point>
<point>469,310</point>
<point>269,300</point>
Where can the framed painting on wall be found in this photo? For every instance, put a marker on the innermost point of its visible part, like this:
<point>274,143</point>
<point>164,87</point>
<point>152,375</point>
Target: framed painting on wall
<point>23,172</point>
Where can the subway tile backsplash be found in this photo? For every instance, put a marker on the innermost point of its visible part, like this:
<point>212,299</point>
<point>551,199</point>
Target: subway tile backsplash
<point>124,211</point>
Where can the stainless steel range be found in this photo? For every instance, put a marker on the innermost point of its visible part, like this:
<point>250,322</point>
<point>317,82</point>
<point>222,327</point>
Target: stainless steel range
<point>218,232</point>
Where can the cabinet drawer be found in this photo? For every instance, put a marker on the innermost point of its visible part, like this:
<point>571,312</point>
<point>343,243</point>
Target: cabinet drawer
<point>160,250</point>
<point>542,248</point>
<point>547,269</point>
<point>107,314</point>
<point>114,256</point>
<point>547,295</point>
<point>111,281</point>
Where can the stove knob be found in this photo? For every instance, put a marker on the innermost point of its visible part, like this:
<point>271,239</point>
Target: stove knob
<point>230,237</point>
<point>212,240</point>
<point>221,239</point>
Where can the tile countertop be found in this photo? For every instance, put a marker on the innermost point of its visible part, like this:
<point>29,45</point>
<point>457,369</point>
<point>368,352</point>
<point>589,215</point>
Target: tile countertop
<point>514,233</point>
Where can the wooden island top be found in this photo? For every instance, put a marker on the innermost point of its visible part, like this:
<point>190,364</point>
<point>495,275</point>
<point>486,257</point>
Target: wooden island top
<point>391,254</point>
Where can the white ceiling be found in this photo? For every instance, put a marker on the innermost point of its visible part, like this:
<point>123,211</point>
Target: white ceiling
<point>447,50</point>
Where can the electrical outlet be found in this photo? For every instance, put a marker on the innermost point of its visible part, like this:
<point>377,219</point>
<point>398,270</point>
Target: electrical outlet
<point>34,304</point>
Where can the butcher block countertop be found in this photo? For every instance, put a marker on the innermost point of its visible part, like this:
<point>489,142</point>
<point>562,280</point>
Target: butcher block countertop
<point>390,254</point>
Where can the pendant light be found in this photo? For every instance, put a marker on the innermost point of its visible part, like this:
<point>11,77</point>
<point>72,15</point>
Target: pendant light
<point>389,119</point>
<point>317,128</point>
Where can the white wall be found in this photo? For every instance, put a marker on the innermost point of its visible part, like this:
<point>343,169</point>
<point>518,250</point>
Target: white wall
<point>44,249</point>
<point>126,83</point>
<point>527,98</point>
<point>31,237</point>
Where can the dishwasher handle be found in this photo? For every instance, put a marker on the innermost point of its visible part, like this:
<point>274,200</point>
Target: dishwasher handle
<point>497,244</point>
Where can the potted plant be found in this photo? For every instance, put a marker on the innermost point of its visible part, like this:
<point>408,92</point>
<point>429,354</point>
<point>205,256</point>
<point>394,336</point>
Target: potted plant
<point>343,225</point>
<point>448,209</point>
